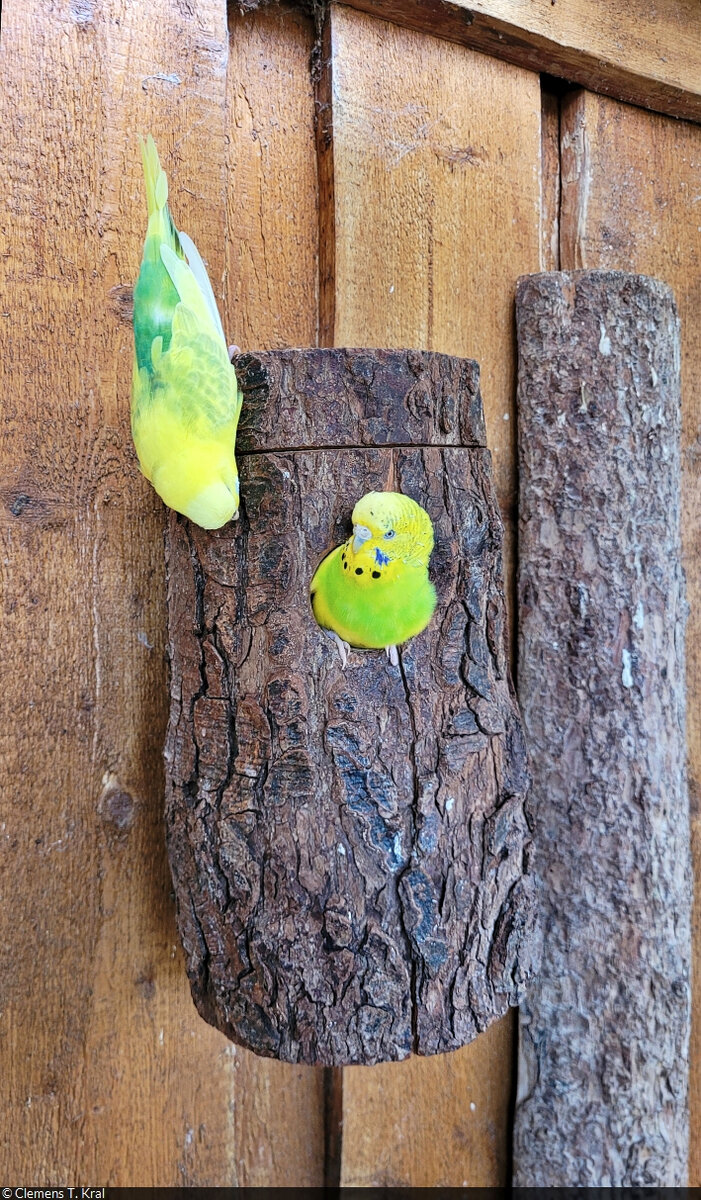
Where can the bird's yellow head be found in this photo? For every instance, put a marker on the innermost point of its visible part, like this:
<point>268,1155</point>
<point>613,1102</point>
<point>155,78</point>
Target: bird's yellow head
<point>390,527</point>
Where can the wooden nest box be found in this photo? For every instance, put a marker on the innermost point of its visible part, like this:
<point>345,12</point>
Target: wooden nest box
<point>350,849</point>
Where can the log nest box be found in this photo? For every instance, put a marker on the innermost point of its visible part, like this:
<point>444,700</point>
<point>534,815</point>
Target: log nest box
<point>350,849</point>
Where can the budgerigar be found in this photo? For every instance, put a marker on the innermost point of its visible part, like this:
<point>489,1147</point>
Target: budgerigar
<point>185,399</point>
<point>374,590</point>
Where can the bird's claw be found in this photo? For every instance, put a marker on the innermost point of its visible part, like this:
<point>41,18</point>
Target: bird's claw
<point>393,655</point>
<point>343,647</point>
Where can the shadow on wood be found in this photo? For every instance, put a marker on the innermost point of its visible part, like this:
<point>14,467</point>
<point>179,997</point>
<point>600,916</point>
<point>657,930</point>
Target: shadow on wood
<point>350,850</point>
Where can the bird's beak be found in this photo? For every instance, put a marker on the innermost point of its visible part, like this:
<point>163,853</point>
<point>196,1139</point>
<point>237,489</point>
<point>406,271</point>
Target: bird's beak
<point>361,533</point>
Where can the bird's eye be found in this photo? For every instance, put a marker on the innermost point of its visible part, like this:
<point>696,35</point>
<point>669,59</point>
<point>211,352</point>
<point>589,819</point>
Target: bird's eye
<point>390,533</point>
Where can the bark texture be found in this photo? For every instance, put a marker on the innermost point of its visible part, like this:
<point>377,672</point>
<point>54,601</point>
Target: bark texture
<point>603,1070</point>
<point>350,850</point>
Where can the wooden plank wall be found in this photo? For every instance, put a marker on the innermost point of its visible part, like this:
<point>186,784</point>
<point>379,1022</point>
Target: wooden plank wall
<point>646,55</point>
<point>422,200</point>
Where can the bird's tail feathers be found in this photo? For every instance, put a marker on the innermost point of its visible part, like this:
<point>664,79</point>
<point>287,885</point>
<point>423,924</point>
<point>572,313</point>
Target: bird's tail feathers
<point>154,175</point>
<point>160,222</point>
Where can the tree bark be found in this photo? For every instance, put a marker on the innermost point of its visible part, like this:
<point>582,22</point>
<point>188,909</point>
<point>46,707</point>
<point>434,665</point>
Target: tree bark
<point>349,849</point>
<point>603,1071</point>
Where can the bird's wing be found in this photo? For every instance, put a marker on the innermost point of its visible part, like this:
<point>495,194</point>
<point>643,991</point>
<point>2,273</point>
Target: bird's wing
<point>188,288</point>
<point>199,270</point>
<point>194,378</point>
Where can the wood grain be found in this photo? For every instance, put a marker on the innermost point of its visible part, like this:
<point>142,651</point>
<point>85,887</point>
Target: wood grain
<point>631,188</point>
<point>114,1076</point>
<point>278,1122</point>
<point>436,171</point>
<point>649,57</point>
<point>433,1122</point>
<point>272,241</point>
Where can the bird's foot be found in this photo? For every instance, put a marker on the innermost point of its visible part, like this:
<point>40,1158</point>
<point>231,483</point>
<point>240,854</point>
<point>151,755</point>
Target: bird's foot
<point>233,350</point>
<point>343,647</point>
<point>392,654</point>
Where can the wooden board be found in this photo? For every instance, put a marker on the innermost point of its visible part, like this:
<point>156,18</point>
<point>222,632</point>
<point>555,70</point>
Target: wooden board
<point>650,57</point>
<point>435,170</point>
<point>631,200</point>
<point>435,1122</point>
<point>114,1077</point>
<point>272,236</point>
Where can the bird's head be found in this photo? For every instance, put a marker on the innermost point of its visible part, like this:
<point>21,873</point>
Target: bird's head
<point>388,526</point>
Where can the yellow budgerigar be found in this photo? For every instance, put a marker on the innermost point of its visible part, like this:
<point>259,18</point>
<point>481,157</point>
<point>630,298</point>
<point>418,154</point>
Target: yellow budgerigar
<point>185,398</point>
<point>374,590</point>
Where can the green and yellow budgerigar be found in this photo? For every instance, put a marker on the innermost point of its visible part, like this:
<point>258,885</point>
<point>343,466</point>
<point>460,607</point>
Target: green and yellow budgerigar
<point>374,590</point>
<point>185,400</point>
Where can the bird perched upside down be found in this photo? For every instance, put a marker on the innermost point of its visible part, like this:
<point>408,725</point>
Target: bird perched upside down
<point>185,400</point>
<point>374,592</point>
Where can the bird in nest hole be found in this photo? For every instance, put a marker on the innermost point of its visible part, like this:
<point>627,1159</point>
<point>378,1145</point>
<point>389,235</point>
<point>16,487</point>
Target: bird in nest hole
<point>373,592</point>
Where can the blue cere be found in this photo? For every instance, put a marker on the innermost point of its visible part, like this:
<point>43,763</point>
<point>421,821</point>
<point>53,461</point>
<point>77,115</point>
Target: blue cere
<point>380,558</point>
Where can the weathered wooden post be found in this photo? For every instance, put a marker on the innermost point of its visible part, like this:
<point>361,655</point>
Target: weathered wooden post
<point>603,1071</point>
<point>350,850</point>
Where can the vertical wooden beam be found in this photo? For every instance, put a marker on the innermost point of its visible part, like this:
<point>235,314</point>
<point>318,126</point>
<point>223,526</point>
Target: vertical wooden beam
<point>631,188</point>
<point>603,1071</point>
<point>272,240</point>
<point>434,210</point>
